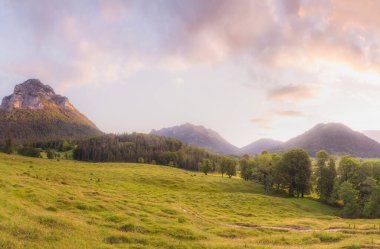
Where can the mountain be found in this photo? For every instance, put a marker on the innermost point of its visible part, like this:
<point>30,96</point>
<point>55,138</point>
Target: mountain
<point>260,146</point>
<point>335,138</point>
<point>34,112</point>
<point>198,136</point>
<point>374,134</point>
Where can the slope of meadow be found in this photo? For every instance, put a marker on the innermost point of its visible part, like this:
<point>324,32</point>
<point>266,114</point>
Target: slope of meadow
<point>66,204</point>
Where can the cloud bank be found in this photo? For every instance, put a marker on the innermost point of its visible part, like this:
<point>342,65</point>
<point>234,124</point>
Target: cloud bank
<point>293,55</point>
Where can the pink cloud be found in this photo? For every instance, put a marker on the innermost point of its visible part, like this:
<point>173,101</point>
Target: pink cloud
<point>273,34</point>
<point>113,10</point>
<point>293,93</point>
<point>289,113</point>
<point>262,122</point>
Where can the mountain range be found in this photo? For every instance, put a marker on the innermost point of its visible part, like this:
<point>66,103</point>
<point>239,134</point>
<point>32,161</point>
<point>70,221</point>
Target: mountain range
<point>264,144</point>
<point>335,138</point>
<point>374,134</point>
<point>198,135</point>
<point>34,112</point>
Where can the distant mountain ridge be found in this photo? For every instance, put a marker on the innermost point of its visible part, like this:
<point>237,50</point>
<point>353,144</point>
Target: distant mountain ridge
<point>373,134</point>
<point>335,138</point>
<point>199,136</point>
<point>34,112</point>
<point>264,144</point>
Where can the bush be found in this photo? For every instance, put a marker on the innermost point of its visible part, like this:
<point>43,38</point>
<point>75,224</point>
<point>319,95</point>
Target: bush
<point>29,151</point>
<point>328,237</point>
<point>181,220</point>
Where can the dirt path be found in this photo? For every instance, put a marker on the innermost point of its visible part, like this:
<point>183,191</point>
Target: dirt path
<point>281,228</point>
<point>286,228</point>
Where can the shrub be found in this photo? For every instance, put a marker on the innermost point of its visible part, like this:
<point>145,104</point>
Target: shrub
<point>328,237</point>
<point>181,219</point>
<point>29,151</point>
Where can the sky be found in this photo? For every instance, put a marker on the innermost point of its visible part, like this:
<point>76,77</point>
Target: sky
<point>246,68</point>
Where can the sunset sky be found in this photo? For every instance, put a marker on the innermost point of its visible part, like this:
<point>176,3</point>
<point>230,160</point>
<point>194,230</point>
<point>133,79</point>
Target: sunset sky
<point>245,68</point>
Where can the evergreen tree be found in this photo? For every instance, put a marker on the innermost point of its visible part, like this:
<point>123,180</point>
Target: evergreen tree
<point>9,144</point>
<point>246,168</point>
<point>322,158</point>
<point>326,174</point>
<point>50,154</point>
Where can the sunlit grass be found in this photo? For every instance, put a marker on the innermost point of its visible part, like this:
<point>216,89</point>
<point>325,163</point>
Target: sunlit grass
<point>50,204</point>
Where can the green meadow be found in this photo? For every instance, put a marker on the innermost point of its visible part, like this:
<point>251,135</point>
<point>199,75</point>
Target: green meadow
<point>67,204</point>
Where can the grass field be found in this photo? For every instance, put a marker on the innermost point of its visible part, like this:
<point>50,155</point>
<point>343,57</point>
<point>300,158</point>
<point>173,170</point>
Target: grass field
<point>67,204</point>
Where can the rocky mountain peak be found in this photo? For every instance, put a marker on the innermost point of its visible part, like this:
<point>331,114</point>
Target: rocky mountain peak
<point>32,94</point>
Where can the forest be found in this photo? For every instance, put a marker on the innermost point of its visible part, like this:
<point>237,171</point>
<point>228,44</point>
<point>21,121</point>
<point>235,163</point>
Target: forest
<point>144,148</point>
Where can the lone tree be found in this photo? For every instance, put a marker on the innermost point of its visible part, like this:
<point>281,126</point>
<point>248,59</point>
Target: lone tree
<point>295,166</point>
<point>246,169</point>
<point>141,160</point>
<point>231,167</point>
<point>205,166</point>
<point>222,166</point>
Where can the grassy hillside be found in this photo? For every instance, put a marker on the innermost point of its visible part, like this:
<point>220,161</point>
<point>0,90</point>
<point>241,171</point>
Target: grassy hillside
<point>66,204</point>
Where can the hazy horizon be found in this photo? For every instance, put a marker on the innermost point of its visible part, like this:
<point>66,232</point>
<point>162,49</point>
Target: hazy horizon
<point>247,69</point>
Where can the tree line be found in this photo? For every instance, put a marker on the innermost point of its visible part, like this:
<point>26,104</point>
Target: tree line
<point>152,149</point>
<point>34,149</point>
<point>352,184</point>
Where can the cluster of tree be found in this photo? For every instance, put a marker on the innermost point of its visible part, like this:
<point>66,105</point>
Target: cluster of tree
<point>358,186</point>
<point>224,165</point>
<point>352,184</point>
<point>290,172</point>
<point>147,148</point>
<point>57,145</point>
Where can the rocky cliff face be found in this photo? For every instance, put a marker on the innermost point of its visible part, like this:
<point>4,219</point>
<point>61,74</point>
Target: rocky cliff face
<point>34,95</point>
<point>35,113</point>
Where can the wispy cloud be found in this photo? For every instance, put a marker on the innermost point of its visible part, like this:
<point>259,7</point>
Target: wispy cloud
<point>292,93</point>
<point>289,113</point>
<point>262,122</point>
<point>265,120</point>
